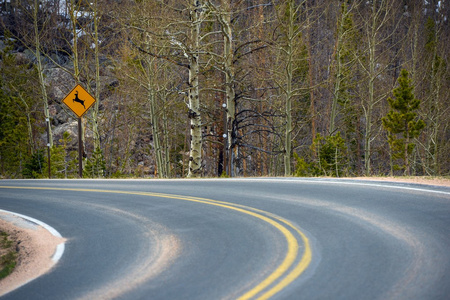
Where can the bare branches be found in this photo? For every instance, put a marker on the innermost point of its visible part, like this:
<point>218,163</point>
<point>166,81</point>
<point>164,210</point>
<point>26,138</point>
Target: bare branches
<point>167,58</point>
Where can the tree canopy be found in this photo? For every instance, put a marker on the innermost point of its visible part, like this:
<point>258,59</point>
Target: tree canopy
<point>226,88</point>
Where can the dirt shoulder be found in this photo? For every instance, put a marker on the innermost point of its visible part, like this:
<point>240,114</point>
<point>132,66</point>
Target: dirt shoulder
<point>417,180</point>
<point>35,247</point>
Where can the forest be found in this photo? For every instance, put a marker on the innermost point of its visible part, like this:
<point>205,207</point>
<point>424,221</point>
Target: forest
<point>225,88</point>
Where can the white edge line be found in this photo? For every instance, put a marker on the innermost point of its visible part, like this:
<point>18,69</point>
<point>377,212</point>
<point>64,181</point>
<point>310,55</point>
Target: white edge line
<point>58,253</point>
<point>387,185</point>
<point>350,182</point>
<point>59,249</point>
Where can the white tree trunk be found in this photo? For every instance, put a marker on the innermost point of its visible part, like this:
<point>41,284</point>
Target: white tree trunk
<point>195,154</point>
<point>41,71</point>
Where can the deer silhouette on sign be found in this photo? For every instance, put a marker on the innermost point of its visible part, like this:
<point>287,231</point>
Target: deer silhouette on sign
<point>78,100</point>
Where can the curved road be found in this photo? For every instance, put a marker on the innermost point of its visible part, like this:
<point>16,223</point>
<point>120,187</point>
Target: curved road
<point>239,238</point>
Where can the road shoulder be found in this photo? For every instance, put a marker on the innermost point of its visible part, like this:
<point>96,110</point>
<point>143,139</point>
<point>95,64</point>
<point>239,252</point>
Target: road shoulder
<point>35,247</point>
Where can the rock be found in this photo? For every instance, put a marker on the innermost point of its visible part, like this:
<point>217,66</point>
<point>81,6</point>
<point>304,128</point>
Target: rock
<point>53,110</point>
<point>21,58</point>
<point>59,83</point>
<point>30,55</point>
<point>70,127</point>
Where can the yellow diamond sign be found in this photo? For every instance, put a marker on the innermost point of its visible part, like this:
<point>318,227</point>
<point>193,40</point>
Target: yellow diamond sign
<point>79,100</point>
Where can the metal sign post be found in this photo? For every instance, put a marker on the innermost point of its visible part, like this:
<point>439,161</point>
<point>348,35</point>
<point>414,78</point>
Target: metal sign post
<point>80,149</point>
<point>47,120</point>
<point>79,101</point>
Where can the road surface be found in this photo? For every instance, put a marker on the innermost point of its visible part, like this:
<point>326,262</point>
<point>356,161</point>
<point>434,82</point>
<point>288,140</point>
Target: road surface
<point>239,238</point>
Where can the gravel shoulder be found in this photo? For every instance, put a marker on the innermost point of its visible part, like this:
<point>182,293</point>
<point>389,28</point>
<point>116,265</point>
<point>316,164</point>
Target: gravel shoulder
<point>35,247</point>
<point>417,180</point>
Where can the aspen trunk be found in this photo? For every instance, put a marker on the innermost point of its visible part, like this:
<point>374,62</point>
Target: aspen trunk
<point>155,131</point>
<point>289,93</point>
<point>97,79</point>
<point>434,120</point>
<point>311,83</point>
<point>229,89</point>
<point>40,72</point>
<point>338,75</point>
<point>166,157</point>
<point>195,155</point>
<point>371,96</point>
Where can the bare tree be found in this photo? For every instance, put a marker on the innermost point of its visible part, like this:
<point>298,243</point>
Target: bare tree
<point>378,28</point>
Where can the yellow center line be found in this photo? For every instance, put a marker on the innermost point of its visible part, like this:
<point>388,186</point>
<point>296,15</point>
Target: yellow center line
<point>292,243</point>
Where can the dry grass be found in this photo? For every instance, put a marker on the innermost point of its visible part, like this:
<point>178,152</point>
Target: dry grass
<point>8,255</point>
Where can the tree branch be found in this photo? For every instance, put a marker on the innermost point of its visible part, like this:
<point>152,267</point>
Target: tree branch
<point>159,56</point>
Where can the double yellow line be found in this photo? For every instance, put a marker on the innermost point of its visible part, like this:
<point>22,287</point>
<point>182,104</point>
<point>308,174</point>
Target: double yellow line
<point>291,267</point>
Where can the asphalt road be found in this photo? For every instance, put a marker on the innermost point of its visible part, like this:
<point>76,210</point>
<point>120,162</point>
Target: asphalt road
<point>248,238</point>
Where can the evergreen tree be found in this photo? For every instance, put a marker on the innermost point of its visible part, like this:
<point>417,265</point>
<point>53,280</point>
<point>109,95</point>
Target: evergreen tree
<point>331,155</point>
<point>34,167</point>
<point>63,162</point>
<point>70,157</point>
<point>401,122</point>
<point>18,113</point>
<point>95,167</point>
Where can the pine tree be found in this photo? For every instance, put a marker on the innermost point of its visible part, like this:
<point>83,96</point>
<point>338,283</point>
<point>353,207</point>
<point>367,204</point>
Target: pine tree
<point>18,106</point>
<point>95,166</point>
<point>401,122</point>
<point>34,167</point>
<point>332,155</point>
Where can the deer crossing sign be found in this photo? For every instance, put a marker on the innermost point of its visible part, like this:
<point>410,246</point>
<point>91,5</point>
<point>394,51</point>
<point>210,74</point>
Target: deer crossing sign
<point>79,100</point>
